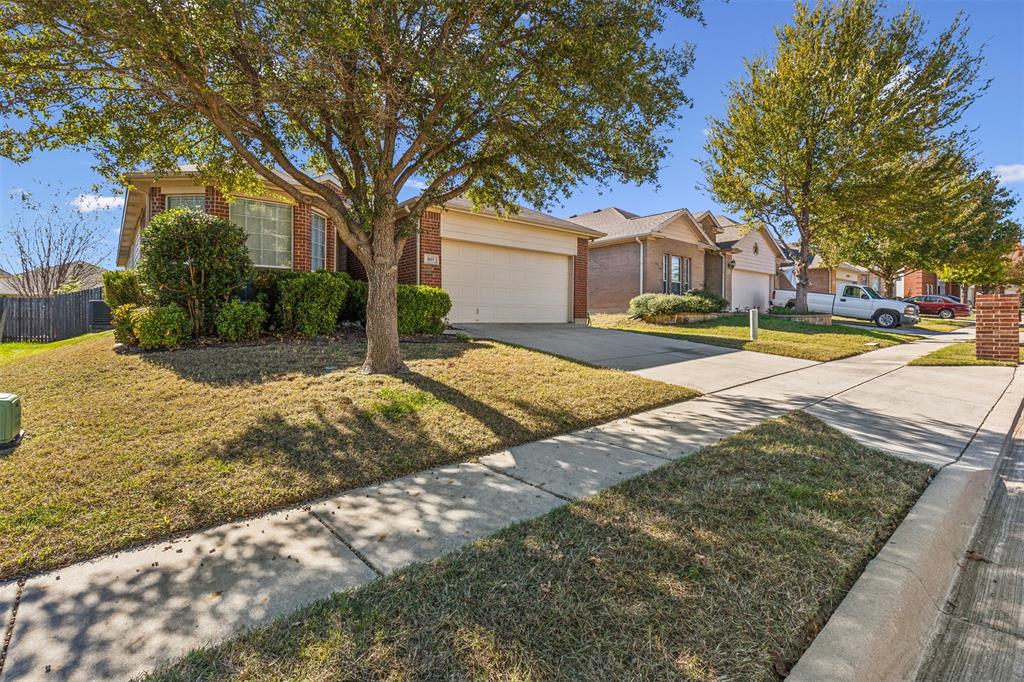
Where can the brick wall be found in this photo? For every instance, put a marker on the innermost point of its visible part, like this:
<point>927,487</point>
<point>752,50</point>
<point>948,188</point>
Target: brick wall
<point>301,243</point>
<point>613,277</point>
<point>819,280</point>
<point>654,263</point>
<point>430,243</point>
<point>216,204</point>
<point>157,201</point>
<point>920,283</point>
<point>579,279</point>
<point>998,336</point>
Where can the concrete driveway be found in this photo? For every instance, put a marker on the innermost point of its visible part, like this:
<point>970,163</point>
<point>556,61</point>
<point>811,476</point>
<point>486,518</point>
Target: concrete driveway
<point>697,365</point>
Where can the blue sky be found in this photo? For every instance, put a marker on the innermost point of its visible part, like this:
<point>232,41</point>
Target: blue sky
<point>733,31</point>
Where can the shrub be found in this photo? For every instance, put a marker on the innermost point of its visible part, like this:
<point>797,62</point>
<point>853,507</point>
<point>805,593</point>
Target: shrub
<point>166,326</point>
<point>422,309</point>
<point>194,260</point>
<point>354,309</point>
<point>694,301</point>
<point>124,325</point>
<point>240,321</point>
<point>123,287</point>
<point>311,302</point>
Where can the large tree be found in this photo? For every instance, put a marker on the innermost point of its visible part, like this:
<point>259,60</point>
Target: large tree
<point>498,100</point>
<point>814,132</point>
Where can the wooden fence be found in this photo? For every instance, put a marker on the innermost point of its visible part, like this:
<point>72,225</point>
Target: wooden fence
<point>53,318</point>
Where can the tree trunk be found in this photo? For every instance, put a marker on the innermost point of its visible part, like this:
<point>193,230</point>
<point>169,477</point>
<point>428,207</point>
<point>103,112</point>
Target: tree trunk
<point>802,282</point>
<point>383,354</point>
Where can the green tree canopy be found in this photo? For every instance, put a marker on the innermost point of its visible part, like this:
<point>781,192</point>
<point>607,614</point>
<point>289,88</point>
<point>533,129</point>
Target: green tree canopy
<point>815,138</point>
<point>942,210</point>
<point>499,100</point>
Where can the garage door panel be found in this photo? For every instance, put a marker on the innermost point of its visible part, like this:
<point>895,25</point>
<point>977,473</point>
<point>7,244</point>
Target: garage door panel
<point>750,289</point>
<point>498,284</point>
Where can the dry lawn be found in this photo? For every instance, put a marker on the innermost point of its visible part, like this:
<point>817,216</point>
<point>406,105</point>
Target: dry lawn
<point>719,567</point>
<point>128,448</point>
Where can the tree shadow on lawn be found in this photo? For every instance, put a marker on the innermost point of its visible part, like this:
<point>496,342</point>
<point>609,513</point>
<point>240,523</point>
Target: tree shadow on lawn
<point>337,449</point>
<point>693,571</point>
<point>239,365</point>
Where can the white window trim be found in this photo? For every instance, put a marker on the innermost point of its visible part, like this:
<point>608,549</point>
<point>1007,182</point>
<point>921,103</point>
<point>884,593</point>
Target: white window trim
<point>168,197</point>
<point>318,214</point>
<point>276,203</point>
<point>685,273</point>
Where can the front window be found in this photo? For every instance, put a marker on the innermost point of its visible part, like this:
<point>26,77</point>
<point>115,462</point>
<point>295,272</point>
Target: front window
<point>194,201</point>
<point>318,241</point>
<point>676,274</point>
<point>871,293</point>
<point>268,227</point>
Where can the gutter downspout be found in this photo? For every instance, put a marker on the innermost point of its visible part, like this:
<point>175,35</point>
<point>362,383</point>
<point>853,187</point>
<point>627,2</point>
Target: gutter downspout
<point>725,266</point>
<point>641,243</point>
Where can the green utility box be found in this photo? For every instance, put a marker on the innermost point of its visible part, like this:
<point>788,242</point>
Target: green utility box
<point>10,420</point>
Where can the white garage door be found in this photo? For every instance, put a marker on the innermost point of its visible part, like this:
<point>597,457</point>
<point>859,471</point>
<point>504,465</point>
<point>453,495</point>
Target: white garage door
<point>499,284</point>
<point>750,289</point>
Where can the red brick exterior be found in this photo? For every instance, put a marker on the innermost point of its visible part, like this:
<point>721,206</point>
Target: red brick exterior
<point>157,201</point>
<point>579,279</point>
<point>920,283</point>
<point>216,204</point>
<point>430,243</point>
<point>407,262</point>
<point>301,243</point>
<point>998,336</point>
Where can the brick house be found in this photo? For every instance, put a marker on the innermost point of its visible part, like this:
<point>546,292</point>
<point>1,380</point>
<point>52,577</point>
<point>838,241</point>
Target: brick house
<point>823,278</point>
<point>674,251</point>
<point>924,283</point>
<point>531,267</point>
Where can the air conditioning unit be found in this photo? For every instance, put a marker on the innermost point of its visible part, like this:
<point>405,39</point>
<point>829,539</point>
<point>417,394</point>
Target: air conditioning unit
<point>10,420</point>
<point>98,316</point>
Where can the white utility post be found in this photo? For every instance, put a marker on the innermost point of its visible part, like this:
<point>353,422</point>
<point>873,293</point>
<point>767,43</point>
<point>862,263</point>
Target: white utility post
<point>753,324</point>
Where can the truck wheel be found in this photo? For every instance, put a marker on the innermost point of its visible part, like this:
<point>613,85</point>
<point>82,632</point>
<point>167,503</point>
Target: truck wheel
<point>946,314</point>
<point>887,319</point>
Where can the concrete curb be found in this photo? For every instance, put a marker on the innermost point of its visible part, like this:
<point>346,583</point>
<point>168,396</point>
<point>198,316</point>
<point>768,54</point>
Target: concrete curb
<point>882,628</point>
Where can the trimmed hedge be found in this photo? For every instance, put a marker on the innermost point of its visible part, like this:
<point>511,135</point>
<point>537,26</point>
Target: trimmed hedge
<point>693,301</point>
<point>311,302</point>
<point>240,321</point>
<point>354,309</point>
<point>422,309</point>
<point>166,326</point>
<point>124,325</point>
<point>123,287</point>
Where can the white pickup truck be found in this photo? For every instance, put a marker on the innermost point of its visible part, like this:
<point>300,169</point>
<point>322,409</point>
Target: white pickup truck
<point>855,300</point>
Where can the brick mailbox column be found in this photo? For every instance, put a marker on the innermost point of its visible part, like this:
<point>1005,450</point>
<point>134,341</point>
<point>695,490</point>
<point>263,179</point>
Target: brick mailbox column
<point>997,318</point>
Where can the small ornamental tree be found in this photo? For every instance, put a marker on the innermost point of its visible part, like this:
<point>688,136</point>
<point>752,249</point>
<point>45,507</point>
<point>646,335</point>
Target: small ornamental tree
<point>194,260</point>
<point>500,101</point>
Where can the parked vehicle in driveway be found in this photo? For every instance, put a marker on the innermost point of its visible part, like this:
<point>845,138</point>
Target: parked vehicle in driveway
<point>945,307</point>
<point>857,301</point>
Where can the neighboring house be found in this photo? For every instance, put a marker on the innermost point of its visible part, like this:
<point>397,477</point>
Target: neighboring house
<point>924,283</point>
<point>674,251</point>
<point>530,267</point>
<point>4,273</point>
<point>822,278</point>
<point>87,275</point>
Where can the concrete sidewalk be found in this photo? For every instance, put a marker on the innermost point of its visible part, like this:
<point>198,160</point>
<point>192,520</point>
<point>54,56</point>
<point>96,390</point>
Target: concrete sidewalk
<point>120,615</point>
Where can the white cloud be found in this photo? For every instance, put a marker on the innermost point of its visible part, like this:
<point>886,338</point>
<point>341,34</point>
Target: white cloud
<point>1011,172</point>
<point>87,203</point>
<point>418,184</point>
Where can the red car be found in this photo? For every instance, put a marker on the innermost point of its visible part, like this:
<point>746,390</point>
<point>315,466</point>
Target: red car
<point>943,306</point>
